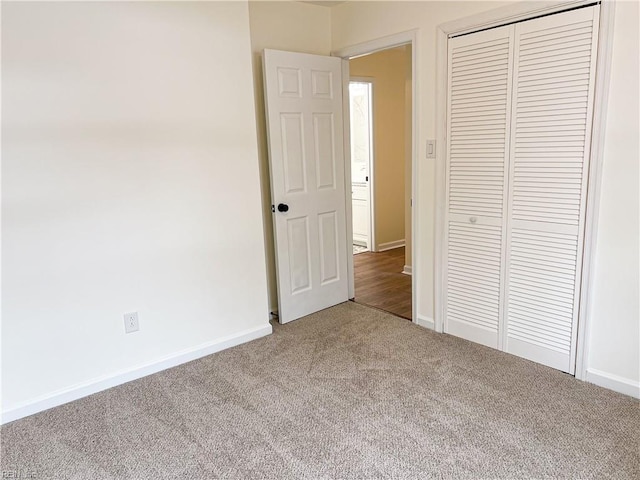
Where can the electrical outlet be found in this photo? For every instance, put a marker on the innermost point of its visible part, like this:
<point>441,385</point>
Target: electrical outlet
<point>131,322</point>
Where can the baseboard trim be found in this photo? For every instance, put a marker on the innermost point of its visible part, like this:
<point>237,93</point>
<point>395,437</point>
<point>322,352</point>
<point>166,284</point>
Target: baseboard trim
<point>383,247</point>
<point>426,322</point>
<point>407,270</point>
<point>102,383</point>
<point>613,382</point>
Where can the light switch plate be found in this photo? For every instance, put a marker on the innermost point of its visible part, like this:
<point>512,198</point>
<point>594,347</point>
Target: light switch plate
<point>431,149</point>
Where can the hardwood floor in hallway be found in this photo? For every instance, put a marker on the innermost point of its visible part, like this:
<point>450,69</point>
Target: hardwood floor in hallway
<point>380,283</point>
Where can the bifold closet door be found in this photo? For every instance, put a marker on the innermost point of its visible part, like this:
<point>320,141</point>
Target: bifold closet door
<point>553,85</point>
<point>480,74</point>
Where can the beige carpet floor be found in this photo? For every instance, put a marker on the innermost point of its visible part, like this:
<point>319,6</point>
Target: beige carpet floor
<point>347,393</point>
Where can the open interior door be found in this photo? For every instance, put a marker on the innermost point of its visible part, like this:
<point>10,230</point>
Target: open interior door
<point>303,95</point>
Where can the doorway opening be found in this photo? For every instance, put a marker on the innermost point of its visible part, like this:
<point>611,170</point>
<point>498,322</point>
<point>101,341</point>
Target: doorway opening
<point>361,130</point>
<point>381,113</point>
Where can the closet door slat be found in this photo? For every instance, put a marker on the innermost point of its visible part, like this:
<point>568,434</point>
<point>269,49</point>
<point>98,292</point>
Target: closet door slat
<point>553,84</point>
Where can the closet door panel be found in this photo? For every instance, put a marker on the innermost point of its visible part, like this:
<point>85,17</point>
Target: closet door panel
<point>479,105</point>
<point>473,280</point>
<point>553,85</point>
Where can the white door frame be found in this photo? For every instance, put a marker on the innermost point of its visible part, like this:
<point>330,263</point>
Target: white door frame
<point>372,160</point>
<point>501,16</point>
<point>404,38</point>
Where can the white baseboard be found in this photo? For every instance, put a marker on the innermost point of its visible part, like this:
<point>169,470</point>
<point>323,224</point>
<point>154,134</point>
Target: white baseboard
<point>407,270</point>
<point>96,385</point>
<point>613,382</point>
<point>383,247</point>
<point>426,322</point>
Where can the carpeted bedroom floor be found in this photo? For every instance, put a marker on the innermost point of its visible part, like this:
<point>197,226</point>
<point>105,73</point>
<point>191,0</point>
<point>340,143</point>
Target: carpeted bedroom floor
<point>347,393</point>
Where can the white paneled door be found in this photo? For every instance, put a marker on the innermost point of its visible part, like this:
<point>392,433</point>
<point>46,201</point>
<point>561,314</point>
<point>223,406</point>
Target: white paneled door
<point>519,131</point>
<point>303,95</point>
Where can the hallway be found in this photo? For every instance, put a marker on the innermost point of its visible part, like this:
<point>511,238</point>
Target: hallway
<point>380,283</point>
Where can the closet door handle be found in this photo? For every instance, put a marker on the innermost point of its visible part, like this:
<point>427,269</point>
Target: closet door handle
<point>473,219</point>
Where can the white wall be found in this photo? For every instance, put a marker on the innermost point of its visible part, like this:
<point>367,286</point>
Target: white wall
<point>613,348</point>
<point>615,333</point>
<point>283,25</point>
<point>130,183</point>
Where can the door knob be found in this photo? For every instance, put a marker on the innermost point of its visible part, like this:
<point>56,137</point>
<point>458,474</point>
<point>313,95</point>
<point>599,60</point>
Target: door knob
<point>283,207</point>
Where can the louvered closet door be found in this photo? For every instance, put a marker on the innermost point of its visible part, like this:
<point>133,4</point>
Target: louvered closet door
<point>554,67</point>
<point>478,130</point>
